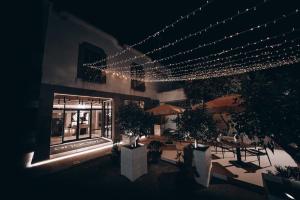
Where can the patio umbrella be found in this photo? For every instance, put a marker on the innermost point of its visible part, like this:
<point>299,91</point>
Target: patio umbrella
<point>222,107</point>
<point>225,104</point>
<point>166,109</point>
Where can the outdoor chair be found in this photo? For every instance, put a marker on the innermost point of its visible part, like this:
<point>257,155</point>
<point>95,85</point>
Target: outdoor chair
<point>252,147</point>
<point>246,142</point>
<point>258,153</point>
<point>218,143</point>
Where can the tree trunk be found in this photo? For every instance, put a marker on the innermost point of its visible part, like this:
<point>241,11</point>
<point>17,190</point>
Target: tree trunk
<point>238,154</point>
<point>227,124</point>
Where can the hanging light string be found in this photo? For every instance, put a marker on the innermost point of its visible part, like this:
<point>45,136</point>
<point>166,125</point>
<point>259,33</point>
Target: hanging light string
<point>257,42</point>
<point>240,70</point>
<point>225,71</point>
<point>246,68</point>
<point>257,57</point>
<point>231,36</point>
<point>218,66</point>
<point>157,33</point>
<point>153,70</point>
<point>283,35</point>
<point>188,36</point>
<point>231,49</point>
<point>234,69</point>
<point>200,67</point>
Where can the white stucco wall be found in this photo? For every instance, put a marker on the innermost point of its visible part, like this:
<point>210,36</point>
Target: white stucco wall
<point>64,34</point>
<point>173,95</point>
<point>170,122</point>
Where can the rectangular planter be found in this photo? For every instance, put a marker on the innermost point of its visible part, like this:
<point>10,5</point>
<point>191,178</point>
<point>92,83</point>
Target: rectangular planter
<point>280,188</point>
<point>202,161</point>
<point>133,162</point>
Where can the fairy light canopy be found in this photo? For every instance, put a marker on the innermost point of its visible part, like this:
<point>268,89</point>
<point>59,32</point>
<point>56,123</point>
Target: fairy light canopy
<point>213,39</point>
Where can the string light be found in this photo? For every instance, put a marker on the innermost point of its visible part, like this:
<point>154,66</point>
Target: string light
<point>201,66</point>
<point>255,67</point>
<point>267,54</point>
<point>202,73</point>
<point>198,66</point>
<point>159,32</point>
<point>257,27</point>
<point>233,71</point>
<point>213,67</point>
<point>222,66</point>
<point>272,46</point>
<point>223,52</point>
<point>178,40</point>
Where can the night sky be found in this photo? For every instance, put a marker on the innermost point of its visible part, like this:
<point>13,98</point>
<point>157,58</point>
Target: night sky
<point>131,21</point>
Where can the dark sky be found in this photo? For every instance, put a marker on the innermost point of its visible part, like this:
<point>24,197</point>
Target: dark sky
<point>131,21</point>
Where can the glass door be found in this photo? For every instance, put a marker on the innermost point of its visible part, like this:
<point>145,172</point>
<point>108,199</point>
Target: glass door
<point>84,123</point>
<point>71,118</point>
<point>107,120</point>
<point>96,123</point>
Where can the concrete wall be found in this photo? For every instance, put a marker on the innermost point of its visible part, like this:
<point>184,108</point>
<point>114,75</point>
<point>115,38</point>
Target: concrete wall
<point>173,95</point>
<point>65,33</point>
<point>59,74</point>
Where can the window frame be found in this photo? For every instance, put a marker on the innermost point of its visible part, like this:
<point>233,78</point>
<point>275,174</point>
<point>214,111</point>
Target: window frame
<point>80,68</point>
<point>136,84</point>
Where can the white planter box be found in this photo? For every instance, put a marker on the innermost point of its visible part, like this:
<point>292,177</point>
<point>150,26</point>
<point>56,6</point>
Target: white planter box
<point>202,161</point>
<point>133,162</point>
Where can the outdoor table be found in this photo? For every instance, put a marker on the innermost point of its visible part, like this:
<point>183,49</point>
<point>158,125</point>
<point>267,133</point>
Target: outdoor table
<point>237,145</point>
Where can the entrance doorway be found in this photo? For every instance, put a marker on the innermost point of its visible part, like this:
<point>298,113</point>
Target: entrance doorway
<point>80,117</point>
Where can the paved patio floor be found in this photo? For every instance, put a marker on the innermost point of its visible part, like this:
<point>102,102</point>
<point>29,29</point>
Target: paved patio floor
<point>100,178</point>
<point>252,174</point>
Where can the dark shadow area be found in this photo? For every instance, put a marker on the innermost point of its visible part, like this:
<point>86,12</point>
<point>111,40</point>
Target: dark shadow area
<point>101,178</point>
<point>248,166</point>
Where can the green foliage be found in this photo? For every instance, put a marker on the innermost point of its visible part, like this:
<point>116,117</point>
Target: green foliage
<point>272,105</point>
<point>197,124</point>
<point>204,90</point>
<point>270,98</point>
<point>168,132</point>
<point>134,120</point>
<point>151,104</point>
<point>155,151</point>
<point>155,145</point>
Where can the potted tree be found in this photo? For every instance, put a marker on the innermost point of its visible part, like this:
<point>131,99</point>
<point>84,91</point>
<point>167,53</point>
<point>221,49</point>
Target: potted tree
<point>199,125</point>
<point>134,122</point>
<point>169,133</point>
<point>154,151</point>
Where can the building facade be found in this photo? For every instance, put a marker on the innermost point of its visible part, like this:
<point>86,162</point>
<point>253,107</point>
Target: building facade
<point>78,105</point>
